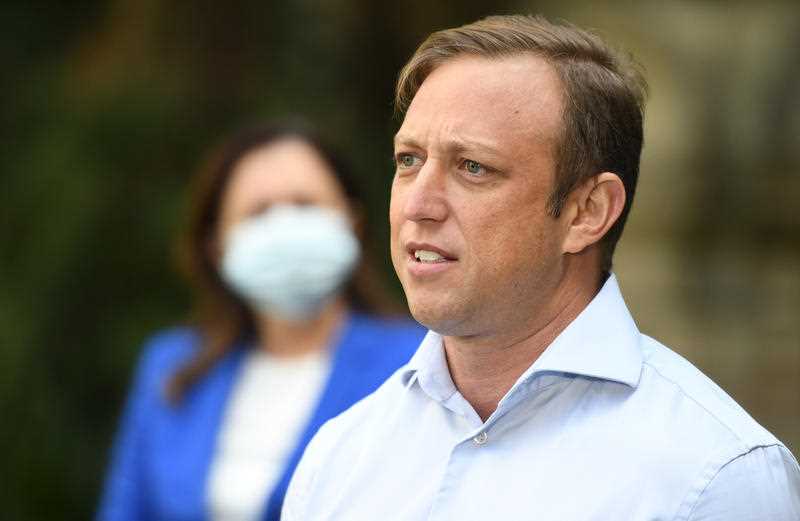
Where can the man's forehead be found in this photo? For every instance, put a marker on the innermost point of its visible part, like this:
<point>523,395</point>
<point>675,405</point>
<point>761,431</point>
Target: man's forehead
<point>481,99</point>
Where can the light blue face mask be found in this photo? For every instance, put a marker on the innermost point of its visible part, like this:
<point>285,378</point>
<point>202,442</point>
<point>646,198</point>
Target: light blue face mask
<point>290,260</point>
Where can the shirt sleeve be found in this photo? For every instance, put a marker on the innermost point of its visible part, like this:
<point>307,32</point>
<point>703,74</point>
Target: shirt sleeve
<point>760,485</point>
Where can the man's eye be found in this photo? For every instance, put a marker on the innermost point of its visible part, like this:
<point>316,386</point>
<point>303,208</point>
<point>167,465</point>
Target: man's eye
<point>473,167</point>
<point>406,160</point>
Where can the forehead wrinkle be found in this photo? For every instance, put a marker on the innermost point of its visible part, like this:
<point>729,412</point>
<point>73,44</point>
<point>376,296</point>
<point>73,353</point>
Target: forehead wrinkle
<point>449,138</point>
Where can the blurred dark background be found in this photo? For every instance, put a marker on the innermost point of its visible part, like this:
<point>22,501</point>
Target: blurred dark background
<point>108,108</point>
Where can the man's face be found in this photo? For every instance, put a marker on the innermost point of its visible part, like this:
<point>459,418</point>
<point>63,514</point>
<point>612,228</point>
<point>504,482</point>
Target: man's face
<point>472,242</point>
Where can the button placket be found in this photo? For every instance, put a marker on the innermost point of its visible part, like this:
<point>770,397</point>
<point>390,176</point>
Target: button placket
<point>481,438</point>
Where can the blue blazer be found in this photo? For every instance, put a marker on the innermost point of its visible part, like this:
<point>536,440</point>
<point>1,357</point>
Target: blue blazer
<point>161,457</point>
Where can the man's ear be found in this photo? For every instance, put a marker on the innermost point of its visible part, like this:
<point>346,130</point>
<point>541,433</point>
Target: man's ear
<point>594,208</point>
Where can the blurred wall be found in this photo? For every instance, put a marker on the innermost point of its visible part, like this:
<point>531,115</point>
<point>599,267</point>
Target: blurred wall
<point>109,106</point>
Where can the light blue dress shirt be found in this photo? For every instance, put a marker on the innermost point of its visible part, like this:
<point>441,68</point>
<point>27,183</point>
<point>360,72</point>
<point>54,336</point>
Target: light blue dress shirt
<point>607,425</point>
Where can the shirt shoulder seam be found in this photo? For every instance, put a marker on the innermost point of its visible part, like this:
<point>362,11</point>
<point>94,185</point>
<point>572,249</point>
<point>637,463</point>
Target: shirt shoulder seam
<point>714,476</point>
<point>724,424</point>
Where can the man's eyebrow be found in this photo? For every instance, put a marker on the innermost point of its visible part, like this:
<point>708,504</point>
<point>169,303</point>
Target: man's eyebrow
<point>454,144</point>
<point>460,144</point>
<point>400,139</point>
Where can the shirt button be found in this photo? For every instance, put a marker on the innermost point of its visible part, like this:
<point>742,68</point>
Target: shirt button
<point>481,438</point>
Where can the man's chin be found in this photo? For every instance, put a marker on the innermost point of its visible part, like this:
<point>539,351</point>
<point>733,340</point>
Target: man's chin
<point>440,318</point>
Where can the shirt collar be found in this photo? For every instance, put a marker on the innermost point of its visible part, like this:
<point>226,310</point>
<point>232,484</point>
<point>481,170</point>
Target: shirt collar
<point>602,342</point>
<point>428,366</point>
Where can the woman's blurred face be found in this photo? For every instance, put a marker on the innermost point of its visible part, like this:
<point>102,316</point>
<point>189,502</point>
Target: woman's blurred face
<point>285,234</point>
<point>287,171</point>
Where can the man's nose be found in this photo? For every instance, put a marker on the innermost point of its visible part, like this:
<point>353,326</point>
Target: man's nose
<point>426,194</point>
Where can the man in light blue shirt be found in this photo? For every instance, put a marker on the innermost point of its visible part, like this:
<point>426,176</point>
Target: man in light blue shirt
<point>534,395</point>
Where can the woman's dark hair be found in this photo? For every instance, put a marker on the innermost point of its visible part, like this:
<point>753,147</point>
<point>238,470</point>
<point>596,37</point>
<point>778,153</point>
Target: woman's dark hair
<point>222,319</point>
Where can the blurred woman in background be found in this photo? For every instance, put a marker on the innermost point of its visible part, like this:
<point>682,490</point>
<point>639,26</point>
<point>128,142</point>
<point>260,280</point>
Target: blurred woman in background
<point>285,337</point>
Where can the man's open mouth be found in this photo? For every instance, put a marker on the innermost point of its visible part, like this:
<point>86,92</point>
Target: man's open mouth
<point>428,257</point>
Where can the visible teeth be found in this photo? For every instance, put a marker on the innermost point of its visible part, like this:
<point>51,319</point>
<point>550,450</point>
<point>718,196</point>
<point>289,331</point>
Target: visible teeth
<point>428,256</point>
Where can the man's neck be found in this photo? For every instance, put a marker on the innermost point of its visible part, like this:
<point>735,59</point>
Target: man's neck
<point>484,369</point>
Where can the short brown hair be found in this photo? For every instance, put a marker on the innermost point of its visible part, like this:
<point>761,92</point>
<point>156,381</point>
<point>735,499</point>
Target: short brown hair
<point>604,95</point>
